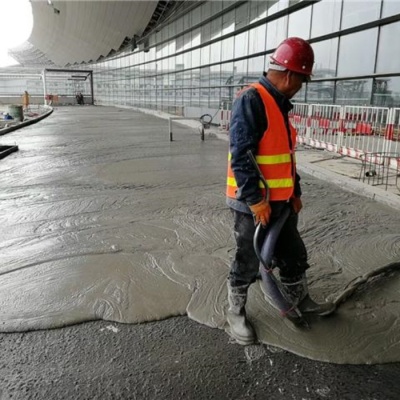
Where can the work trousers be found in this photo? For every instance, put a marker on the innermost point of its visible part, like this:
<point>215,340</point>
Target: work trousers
<point>290,253</point>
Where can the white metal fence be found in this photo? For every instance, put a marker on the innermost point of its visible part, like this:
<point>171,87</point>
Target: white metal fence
<point>349,130</point>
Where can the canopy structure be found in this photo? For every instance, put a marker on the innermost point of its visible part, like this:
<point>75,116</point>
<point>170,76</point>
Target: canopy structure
<point>67,33</point>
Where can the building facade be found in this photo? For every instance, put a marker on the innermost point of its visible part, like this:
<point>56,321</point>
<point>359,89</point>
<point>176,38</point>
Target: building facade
<point>202,58</point>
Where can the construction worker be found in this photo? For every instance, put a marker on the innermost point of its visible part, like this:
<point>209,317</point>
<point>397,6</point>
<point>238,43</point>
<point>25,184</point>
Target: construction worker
<point>25,100</point>
<point>260,123</point>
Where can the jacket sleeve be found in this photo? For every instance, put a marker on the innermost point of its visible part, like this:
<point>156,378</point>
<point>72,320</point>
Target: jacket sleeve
<point>248,124</point>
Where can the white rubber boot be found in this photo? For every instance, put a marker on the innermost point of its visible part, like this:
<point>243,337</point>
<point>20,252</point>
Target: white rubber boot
<point>240,328</point>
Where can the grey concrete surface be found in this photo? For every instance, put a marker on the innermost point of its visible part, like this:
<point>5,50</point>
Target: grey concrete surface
<point>172,359</point>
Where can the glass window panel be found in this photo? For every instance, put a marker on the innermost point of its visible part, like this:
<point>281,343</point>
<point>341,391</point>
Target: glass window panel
<point>187,41</point>
<point>196,37</point>
<point>300,96</point>
<point>179,25</point>
<point>196,16</point>
<point>355,92</point>
<point>196,58</point>
<point>255,68</point>
<point>240,71</point>
<point>215,98</point>
<point>172,64</point>
<point>205,33</point>
<point>205,55</point>
<point>325,58</point>
<point>276,32</point>
<point>227,49</point>
<point>277,6</point>
<point>320,92</point>
<point>204,84</point>
<point>216,28</point>
<point>388,60</point>
<point>355,57</point>
<point>164,33</point>
<point>187,21</point>
<point>206,10</point>
<point>215,52</point>
<point>171,30</point>
<point>242,16</point>
<point>299,23</point>
<point>227,79</point>
<point>227,73</point>
<point>187,60</point>
<point>215,75</point>
<point>228,22</point>
<point>390,7</point>
<point>216,7</point>
<point>386,92</point>
<point>258,10</point>
<point>186,97</point>
<point>179,62</point>
<point>241,44</point>
<point>205,77</point>
<point>257,39</point>
<point>357,12</point>
<point>195,97</point>
<point>196,77</point>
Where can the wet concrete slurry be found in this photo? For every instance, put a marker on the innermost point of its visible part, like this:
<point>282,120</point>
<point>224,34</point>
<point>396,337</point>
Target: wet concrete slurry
<point>175,358</point>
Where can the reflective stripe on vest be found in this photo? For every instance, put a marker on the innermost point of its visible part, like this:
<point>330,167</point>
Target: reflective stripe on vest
<point>275,156</point>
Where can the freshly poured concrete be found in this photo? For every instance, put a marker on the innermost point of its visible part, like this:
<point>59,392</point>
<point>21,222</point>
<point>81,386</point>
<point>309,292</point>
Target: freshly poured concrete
<point>112,221</point>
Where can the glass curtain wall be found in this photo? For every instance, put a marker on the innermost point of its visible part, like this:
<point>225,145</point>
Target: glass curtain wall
<point>203,58</point>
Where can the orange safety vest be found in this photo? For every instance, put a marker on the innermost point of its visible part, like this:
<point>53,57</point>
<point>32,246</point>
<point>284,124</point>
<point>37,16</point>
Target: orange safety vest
<point>275,155</point>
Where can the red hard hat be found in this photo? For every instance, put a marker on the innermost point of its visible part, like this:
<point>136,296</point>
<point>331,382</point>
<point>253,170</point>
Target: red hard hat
<point>294,54</point>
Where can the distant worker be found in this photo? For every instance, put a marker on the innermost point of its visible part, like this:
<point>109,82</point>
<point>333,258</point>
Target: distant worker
<point>25,100</point>
<point>79,99</point>
<point>260,123</point>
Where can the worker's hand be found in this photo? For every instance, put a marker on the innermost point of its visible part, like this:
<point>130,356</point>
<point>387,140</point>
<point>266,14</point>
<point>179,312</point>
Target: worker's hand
<point>261,212</point>
<point>296,204</point>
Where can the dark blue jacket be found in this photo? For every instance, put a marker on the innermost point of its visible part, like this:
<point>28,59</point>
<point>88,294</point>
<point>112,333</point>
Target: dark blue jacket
<point>247,127</point>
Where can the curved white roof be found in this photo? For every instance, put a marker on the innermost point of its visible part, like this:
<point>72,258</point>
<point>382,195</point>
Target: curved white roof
<point>73,31</point>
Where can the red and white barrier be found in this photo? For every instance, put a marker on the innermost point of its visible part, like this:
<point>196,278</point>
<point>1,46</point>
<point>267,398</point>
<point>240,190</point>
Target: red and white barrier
<point>224,119</point>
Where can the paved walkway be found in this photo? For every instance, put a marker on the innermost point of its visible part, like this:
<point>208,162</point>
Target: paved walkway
<point>172,359</point>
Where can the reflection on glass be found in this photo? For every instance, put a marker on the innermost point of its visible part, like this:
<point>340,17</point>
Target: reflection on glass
<point>354,92</point>
<point>320,92</point>
<point>257,39</point>
<point>357,53</point>
<point>300,96</point>
<point>388,60</point>
<point>321,25</point>
<point>276,32</point>
<point>390,7</point>
<point>215,55</point>
<point>215,75</point>
<point>277,5</point>
<point>227,49</point>
<point>241,44</point>
<point>258,10</point>
<point>205,55</point>
<point>255,68</point>
<point>242,16</point>
<point>299,23</point>
<point>357,12</point>
<point>386,92</point>
<point>325,58</point>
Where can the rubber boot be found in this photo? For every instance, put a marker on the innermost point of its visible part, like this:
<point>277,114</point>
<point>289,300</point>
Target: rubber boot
<point>297,290</point>
<point>240,328</point>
